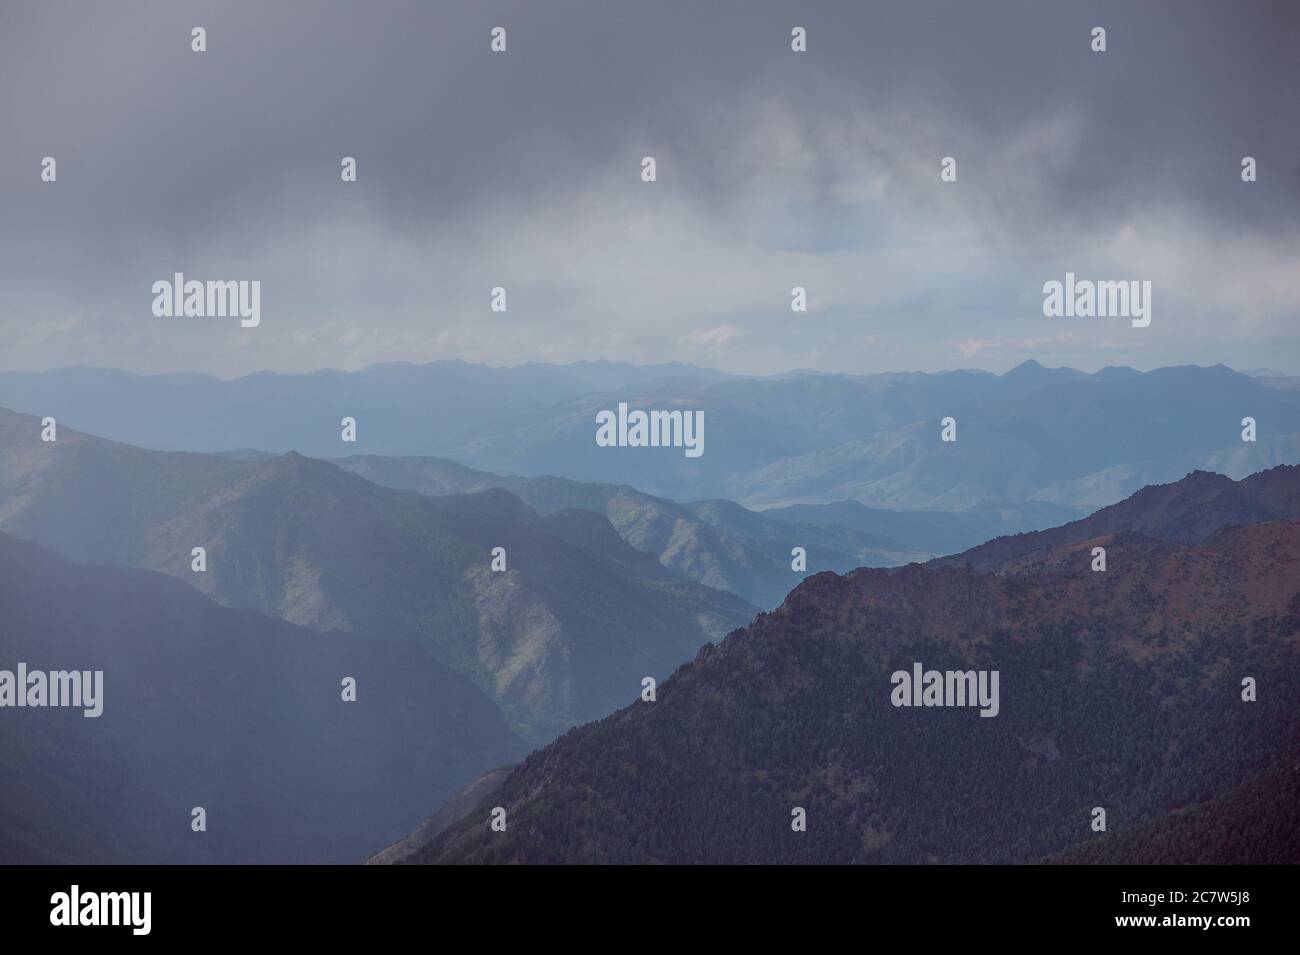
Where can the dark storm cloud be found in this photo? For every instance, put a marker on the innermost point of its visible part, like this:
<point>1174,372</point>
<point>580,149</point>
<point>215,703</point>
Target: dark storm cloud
<point>168,155</point>
<point>164,139</point>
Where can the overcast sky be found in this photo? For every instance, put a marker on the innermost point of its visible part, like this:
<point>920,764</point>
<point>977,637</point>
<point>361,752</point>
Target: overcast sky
<point>775,169</point>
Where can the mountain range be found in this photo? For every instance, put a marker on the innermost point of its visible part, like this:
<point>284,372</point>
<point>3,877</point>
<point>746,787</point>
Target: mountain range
<point>1120,690</point>
<point>720,543</point>
<point>564,634</point>
<point>1033,434</point>
<point>514,594</point>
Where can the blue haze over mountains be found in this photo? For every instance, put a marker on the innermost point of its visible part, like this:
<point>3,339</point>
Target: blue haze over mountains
<point>522,688</point>
<point>564,636</point>
<point>1034,434</point>
<point>375,564</point>
<point>222,708</point>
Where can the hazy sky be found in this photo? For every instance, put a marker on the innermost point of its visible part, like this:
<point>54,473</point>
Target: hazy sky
<point>775,169</point>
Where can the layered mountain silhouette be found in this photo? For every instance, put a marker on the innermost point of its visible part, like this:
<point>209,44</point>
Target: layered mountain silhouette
<point>381,568</point>
<point>228,710</point>
<point>722,544</point>
<point>930,532</point>
<point>1038,434</point>
<point>1120,690</point>
<point>563,635</point>
<point>1034,434</point>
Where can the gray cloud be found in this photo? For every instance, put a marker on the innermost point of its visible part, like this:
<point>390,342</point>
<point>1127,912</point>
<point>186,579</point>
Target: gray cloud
<point>521,170</point>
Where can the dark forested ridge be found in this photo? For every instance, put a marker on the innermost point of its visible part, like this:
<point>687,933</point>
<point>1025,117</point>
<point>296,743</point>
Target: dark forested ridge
<point>451,811</point>
<point>1118,690</point>
<point>1186,511</point>
<point>1257,823</point>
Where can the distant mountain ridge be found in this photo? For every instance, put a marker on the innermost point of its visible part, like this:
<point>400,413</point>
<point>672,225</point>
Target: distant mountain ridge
<point>1033,434</point>
<point>719,543</point>
<point>565,634</point>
